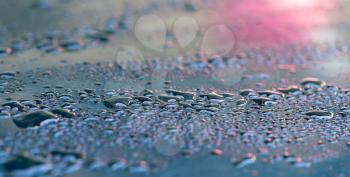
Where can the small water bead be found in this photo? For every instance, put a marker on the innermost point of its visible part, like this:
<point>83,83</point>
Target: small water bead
<point>292,89</point>
<point>140,167</point>
<point>318,114</point>
<point>112,102</point>
<point>211,96</point>
<point>246,160</point>
<point>4,115</point>
<point>216,152</point>
<point>91,119</point>
<point>71,46</point>
<point>66,98</point>
<point>185,95</point>
<point>120,106</point>
<point>185,105</point>
<point>4,52</point>
<point>172,107</point>
<point>246,92</point>
<point>166,98</point>
<point>260,100</point>
<point>7,75</point>
<point>312,82</point>
<point>147,103</point>
<point>217,101</point>
<point>48,122</point>
<point>331,88</point>
<point>270,103</point>
<point>33,119</point>
<point>63,112</point>
<point>142,98</point>
<point>345,111</point>
<point>268,93</point>
<point>119,165</point>
<point>21,162</point>
<point>299,163</point>
<point>14,104</point>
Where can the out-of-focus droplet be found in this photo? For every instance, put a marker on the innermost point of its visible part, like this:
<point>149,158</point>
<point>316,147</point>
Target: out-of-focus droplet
<point>150,30</point>
<point>185,30</point>
<point>246,160</point>
<point>218,40</point>
<point>167,147</point>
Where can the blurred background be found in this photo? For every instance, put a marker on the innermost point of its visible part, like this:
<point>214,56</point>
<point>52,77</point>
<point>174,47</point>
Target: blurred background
<point>262,23</point>
<point>258,21</point>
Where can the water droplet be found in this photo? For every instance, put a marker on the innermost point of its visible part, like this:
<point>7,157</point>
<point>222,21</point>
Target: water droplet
<point>321,115</point>
<point>246,160</point>
<point>185,30</point>
<point>218,40</point>
<point>150,30</point>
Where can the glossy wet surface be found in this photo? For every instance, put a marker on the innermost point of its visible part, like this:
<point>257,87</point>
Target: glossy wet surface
<point>105,117</point>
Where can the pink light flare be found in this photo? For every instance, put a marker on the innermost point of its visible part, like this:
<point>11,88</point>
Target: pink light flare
<point>272,21</point>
